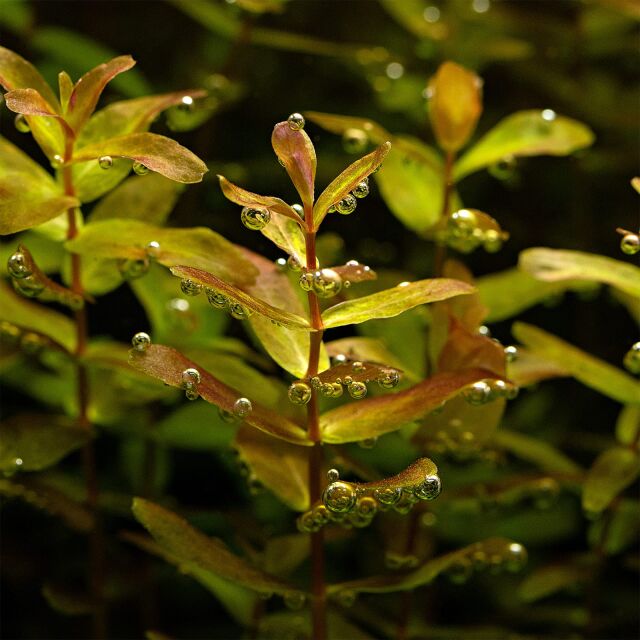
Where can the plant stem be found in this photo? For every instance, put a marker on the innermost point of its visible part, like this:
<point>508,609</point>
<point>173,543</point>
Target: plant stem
<point>319,604</point>
<point>96,537</point>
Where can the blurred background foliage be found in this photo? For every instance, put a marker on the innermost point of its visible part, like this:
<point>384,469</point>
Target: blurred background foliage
<point>260,60</point>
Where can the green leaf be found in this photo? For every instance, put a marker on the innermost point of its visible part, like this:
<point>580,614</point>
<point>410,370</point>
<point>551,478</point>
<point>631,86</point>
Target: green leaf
<point>28,315</point>
<point>31,442</point>
<point>628,425</point>
<point>280,316</point>
<point>286,234</point>
<point>510,292</point>
<point>525,133</point>
<point>149,198</point>
<point>28,194</point>
<point>612,472</point>
<point>347,181</point>
<point>167,364</point>
<point>280,467</point>
<point>297,155</point>
<point>547,581</point>
<point>411,183</point>
<point>391,302</point>
<point>193,548</point>
<point>530,368</point>
<point>373,417</point>
<point>157,153</point>
<point>619,530</point>
<point>588,369</point>
<point>552,265</point>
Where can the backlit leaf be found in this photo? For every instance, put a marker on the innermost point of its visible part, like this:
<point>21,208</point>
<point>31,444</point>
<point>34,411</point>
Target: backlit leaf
<point>167,365</point>
<point>553,265</point>
<point>157,153</point>
<point>588,369</point>
<point>285,233</point>
<point>28,194</point>
<point>391,302</point>
<point>347,181</point>
<point>612,472</point>
<point>525,133</point>
<point>296,153</point>
<point>193,548</point>
<point>279,466</point>
<point>375,416</point>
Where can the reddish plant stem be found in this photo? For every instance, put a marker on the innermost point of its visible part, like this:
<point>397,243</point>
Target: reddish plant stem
<point>316,458</point>
<point>96,537</point>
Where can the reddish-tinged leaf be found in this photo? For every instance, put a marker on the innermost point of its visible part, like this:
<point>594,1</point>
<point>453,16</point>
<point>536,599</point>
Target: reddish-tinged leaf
<point>280,316</point>
<point>88,89</point>
<point>157,153</point>
<point>247,199</point>
<point>281,467</point>
<point>391,302</point>
<point>375,416</point>
<point>358,371</point>
<point>296,153</point>
<point>29,102</point>
<point>363,349</point>
<point>167,365</point>
<point>355,272</point>
<point>469,310</point>
<point>347,181</point>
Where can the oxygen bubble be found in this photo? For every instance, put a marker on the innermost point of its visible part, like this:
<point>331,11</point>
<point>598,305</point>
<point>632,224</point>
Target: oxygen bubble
<point>105,162</point>
<point>299,209</point>
<point>227,416</point>
<point>18,462</point>
<point>216,299</point>
<point>186,103</point>
<point>306,281</point>
<point>478,393</point>
<point>479,560</point>
<point>516,557</point>
<point>141,341</point>
<point>357,366</point>
<point>239,312</point>
<point>321,515</point>
<point>340,358</point>
<point>316,382</point>
<point>281,264</point>
<point>30,287</point>
<point>511,392</point>
<point>347,380</point>
<point>296,121</point>
<point>367,507</point>
<point>242,407</point>
<point>492,241</point>
<point>190,288</point>
<point>511,353</point>
<point>17,266</point>
<point>339,497</point>
<point>428,520</point>
<point>483,330</point>
<point>326,283</point>
<point>299,392</point>
<point>404,505</point>
<point>431,14</point>
<point>460,570</point>
<point>73,301</point>
<point>388,495</point>
<point>462,223</point>
<point>545,493</point>
<point>336,389</point>
<point>630,244</point>
<point>139,169</point>
<point>293,263</point>
<point>389,378</point>
<point>347,205</point>
<point>504,168</point>
<point>393,560</point>
<point>21,124</point>
<point>354,140</point>
<point>498,388</point>
<point>255,219</point>
<point>57,161</point>
<point>326,389</point>
<point>191,394</point>
<point>429,488</point>
<point>294,600</point>
<point>190,378</point>
<point>357,390</point>
<point>548,115</point>
<point>333,475</point>
<point>306,523</point>
<point>346,597</point>
<point>361,190</point>
<point>153,249</point>
<point>132,269</point>
<point>632,359</point>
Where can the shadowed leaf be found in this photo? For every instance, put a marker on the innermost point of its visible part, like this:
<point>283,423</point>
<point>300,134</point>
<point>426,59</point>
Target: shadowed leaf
<point>547,581</point>
<point>66,602</point>
<point>167,365</point>
<point>375,416</point>
<point>588,369</point>
<point>619,530</point>
<point>612,472</point>
<point>525,133</point>
<point>391,302</point>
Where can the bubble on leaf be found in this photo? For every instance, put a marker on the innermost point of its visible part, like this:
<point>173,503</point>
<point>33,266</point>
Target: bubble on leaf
<point>242,407</point>
<point>429,488</point>
<point>361,190</point>
<point>347,205</point>
<point>388,378</point>
<point>186,103</point>
<point>140,169</point>
<point>30,286</point>
<point>326,283</point>
<point>368,443</point>
<point>479,560</point>
<point>357,366</point>
<point>339,497</point>
<point>296,121</point>
<point>255,219</point>
<point>511,353</point>
<point>347,380</point>
<point>17,266</point>
<point>357,390</point>
<point>316,383</point>
<point>394,70</point>
<point>190,377</point>
<point>548,115</point>
<point>306,281</point>
<point>294,264</point>
<point>388,495</point>
<point>462,223</point>
<point>481,6</point>
<point>367,507</point>
<point>483,330</point>
<point>478,393</point>
<point>227,416</point>
<point>299,392</point>
<point>57,161</point>
<point>545,493</point>
<point>216,299</point>
<point>190,288</point>
<point>354,140</point>
<point>191,394</point>
<point>132,269</point>
<point>32,343</point>
<point>321,515</point>
<point>630,244</point>
<point>141,341</point>
<point>326,389</point>
<point>21,124</point>
<point>336,390</point>
<point>239,312</point>
<point>333,475</point>
<point>18,462</point>
<point>460,570</point>
<point>306,523</point>
<point>105,162</point>
<point>346,597</point>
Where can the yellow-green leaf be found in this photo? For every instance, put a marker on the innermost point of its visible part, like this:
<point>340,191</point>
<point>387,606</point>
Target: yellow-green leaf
<point>286,234</point>
<point>248,199</point>
<point>340,124</point>
<point>548,580</point>
<point>525,133</point>
<point>588,369</point>
<point>628,425</point>
<point>391,302</point>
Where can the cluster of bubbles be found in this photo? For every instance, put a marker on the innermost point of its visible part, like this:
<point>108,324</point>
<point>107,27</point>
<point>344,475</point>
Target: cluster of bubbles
<point>216,299</point>
<point>349,203</point>
<point>32,285</point>
<point>481,392</point>
<point>630,243</point>
<point>28,341</point>
<point>477,559</point>
<point>325,283</point>
<point>132,268</point>
<point>355,505</point>
<point>106,162</point>
<point>464,233</point>
<point>632,359</point>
